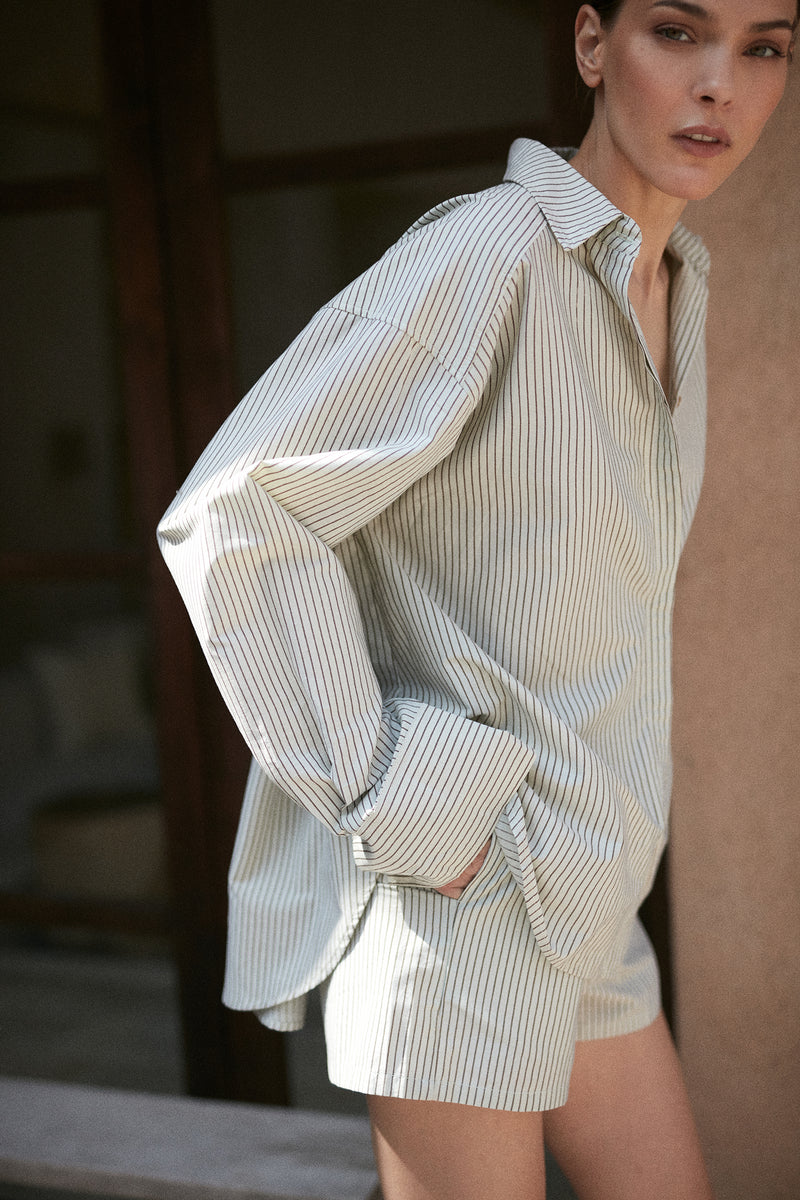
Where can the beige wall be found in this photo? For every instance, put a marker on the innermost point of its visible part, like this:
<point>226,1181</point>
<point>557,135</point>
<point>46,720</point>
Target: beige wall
<point>736,846</point>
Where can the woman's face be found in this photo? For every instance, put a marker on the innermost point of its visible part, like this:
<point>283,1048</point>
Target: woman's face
<point>685,88</point>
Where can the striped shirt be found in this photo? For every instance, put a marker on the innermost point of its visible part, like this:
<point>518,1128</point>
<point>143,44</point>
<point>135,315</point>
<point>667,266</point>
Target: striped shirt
<point>431,557</point>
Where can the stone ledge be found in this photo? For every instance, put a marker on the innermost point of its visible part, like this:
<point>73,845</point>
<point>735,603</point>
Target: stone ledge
<point>147,1147</point>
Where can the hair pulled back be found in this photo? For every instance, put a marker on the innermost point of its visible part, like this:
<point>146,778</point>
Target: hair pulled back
<point>609,9</point>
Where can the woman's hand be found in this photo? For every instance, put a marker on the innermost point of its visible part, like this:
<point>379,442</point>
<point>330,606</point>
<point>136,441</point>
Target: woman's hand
<point>456,886</point>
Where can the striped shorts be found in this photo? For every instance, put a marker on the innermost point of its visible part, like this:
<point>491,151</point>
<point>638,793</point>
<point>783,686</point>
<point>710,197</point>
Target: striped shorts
<point>441,999</point>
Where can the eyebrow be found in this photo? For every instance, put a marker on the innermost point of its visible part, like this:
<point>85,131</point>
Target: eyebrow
<point>696,10</point>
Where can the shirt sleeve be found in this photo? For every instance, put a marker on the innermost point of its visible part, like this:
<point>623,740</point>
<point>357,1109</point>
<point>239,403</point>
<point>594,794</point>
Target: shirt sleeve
<point>342,425</point>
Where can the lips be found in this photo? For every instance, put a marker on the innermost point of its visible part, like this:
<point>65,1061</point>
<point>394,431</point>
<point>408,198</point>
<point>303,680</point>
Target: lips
<point>703,141</point>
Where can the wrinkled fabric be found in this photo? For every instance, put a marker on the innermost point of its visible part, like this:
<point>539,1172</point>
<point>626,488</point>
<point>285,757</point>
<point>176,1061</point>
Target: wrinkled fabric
<point>431,558</point>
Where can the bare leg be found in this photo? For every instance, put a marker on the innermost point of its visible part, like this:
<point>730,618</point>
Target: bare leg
<point>426,1150</point>
<point>627,1130</point>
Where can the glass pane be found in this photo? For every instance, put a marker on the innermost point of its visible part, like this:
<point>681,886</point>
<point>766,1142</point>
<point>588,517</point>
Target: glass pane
<point>81,820</point>
<point>61,487</point>
<point>77,724</point>
<point>82,823</point>
<point>49,88</point>
<point>61,483</point>
<point>304,75</point>
<point>77,699</point>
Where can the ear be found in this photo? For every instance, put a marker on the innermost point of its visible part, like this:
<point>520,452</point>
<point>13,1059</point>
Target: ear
<point>589,40</point>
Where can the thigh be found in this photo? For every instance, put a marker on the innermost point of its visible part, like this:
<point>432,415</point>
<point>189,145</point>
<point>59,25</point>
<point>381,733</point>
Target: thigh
<point>428,1150</point>
<point>627,1129</point>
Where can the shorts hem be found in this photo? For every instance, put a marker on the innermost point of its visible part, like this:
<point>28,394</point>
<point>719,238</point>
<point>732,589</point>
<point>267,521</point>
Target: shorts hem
<point>600,1030</point>
<point>446,1092</point>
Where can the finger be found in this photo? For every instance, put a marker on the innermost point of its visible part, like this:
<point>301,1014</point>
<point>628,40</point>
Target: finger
<point>455,887</point>
<point>451,891</point>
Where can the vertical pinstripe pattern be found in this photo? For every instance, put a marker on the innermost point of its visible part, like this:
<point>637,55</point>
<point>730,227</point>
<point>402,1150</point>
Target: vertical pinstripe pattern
<point>628,998</point>
<point>449,1000</point>
<point>431,559</point>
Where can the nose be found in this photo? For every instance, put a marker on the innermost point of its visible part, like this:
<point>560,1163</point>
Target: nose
<point>715,80</point>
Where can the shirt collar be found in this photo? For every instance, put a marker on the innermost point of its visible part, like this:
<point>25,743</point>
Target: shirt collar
<point>574,208</point>
<point>687,247</point>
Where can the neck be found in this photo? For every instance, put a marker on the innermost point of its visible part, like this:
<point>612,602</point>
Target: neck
<point>654,211</point>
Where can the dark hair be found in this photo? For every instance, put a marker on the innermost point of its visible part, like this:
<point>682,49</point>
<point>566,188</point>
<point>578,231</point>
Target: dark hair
<point>609,9</point>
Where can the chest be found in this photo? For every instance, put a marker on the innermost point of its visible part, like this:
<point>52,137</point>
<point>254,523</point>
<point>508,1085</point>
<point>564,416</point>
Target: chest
<point>653,314</point>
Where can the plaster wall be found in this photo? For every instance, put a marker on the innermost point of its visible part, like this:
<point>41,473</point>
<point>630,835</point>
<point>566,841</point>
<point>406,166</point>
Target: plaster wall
<point>736,831</point>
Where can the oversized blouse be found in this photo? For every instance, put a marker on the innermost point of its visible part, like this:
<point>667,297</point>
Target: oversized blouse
<point>430,558</point>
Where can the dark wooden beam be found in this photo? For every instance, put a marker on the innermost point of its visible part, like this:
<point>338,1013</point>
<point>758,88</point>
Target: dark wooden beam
<point>24,196</point>
<point>36,910</point>
<point>194,221</point>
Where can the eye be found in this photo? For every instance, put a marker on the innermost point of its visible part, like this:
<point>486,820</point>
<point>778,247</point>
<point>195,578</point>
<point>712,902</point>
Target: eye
<point>765,52</point>
<point>672,33</point>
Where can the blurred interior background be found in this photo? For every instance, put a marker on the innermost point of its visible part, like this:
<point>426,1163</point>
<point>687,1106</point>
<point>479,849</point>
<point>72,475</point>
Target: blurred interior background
<point>181,185</point>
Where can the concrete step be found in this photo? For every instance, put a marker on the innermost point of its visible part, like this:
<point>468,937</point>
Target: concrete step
<point>144,1147</point>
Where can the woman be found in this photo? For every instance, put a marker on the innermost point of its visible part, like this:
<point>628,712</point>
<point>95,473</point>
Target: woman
<point>431,560</point>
